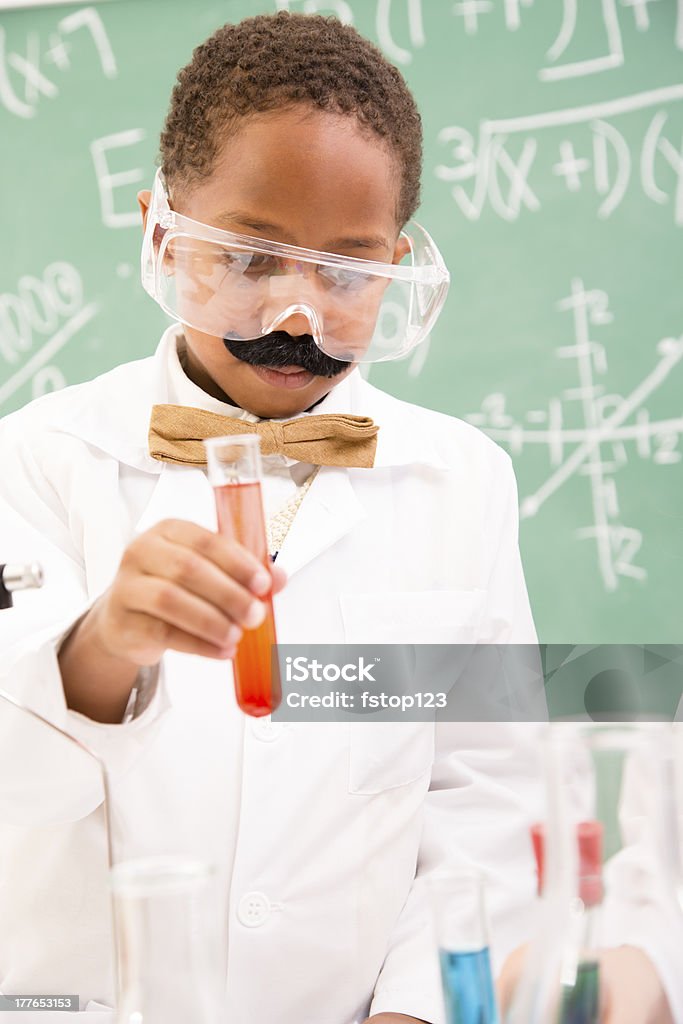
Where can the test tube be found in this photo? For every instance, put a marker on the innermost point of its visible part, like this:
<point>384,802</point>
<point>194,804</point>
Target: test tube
<point>461,932</point>
<point>234,465</point>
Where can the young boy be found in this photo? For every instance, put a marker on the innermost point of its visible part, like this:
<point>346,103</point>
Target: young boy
<point>294,132</point>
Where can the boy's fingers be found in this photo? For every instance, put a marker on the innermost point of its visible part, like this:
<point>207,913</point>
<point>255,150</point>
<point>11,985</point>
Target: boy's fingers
<point>168,605</point>
<point>178,640</point>
<point>279,578</point>
<point>197,575</point>
<point>231,557</point>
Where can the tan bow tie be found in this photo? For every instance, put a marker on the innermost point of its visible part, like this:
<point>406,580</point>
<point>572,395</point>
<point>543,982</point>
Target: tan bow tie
<point>176,433</point>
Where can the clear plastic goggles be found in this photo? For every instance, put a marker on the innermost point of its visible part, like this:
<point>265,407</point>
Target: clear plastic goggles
<point>241,288</point>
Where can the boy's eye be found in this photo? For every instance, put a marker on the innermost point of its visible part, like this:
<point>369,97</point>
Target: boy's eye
<point>251,264</point>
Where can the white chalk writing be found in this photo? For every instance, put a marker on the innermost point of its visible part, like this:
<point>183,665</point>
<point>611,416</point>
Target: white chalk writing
<point>36,322</point>
<point>598,448</point>
<point>24,81</point>
<point>506,166</point>
<point>108,181</point>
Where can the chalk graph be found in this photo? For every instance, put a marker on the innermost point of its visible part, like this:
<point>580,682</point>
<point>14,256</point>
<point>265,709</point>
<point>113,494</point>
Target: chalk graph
<point>599,447</point>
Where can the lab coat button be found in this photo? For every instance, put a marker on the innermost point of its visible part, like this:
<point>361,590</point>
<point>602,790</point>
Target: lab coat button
<point>254,909</point>
<point>265,730</point>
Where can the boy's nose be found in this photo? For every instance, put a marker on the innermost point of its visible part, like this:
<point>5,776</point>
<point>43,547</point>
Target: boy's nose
<point>296,320</point>
<point>294,324</point>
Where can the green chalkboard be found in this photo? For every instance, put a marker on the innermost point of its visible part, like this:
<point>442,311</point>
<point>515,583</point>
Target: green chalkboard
<point>553,183</point>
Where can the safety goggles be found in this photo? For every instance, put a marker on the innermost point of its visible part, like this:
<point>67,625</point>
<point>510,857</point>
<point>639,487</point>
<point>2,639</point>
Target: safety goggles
<point>240,288</point>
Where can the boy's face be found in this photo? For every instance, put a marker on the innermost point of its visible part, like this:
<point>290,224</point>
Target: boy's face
<point>307,178</point>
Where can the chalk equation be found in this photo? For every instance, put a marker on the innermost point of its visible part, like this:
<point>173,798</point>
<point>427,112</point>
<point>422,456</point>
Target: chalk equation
<point>401,30</point>
<point>36,322</point>
<point>597,22</point>
<point>510,163</point>
<point>110,180</point>
<point>31,74</point>
<point>613,428</point>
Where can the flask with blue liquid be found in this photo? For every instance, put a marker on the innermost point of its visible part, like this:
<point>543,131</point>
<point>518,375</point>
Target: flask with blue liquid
<point>462,936</point>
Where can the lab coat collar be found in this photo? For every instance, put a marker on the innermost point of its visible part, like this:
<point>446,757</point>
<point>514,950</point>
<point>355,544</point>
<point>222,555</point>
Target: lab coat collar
<point>116,418</point>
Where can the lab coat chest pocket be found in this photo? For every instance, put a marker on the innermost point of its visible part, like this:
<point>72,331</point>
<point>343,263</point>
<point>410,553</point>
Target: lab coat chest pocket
<point>413,617</point>
<point>386,755</point>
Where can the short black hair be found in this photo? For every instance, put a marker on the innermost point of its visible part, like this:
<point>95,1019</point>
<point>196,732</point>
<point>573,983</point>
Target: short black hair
<point>275,60</point>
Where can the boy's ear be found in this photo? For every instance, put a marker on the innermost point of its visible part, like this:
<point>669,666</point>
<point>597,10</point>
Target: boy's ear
<point>402,248</point>
<point>144,199</point>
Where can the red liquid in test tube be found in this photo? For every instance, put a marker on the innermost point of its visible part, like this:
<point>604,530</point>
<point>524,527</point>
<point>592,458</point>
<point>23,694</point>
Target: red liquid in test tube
<point>257,680</point>
<point>240,517</point>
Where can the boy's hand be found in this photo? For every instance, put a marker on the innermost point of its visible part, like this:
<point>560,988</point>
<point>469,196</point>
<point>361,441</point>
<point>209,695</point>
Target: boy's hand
<point>631,991</point>
<point>178,587</point>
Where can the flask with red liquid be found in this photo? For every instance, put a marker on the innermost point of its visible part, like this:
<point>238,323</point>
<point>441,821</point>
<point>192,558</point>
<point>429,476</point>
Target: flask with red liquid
<point>234,465</point>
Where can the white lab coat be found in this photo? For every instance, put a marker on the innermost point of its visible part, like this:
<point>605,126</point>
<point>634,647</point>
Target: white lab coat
<point>316,830</point>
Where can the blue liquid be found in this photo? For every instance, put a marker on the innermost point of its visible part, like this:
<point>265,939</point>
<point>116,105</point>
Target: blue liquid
<point>468,987</point>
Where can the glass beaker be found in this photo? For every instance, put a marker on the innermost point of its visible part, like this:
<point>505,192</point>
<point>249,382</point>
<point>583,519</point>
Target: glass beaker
<point>170,967</point>
<point>234,466</point>
<point>462,935</point>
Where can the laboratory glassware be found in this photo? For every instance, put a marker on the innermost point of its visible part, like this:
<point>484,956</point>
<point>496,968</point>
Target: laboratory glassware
<point>459,911</point>
<point>171,967</point>
<point>234,466</point>
<point>592,837</point>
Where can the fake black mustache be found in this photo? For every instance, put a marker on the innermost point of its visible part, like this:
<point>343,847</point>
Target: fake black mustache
<point>281,349</point>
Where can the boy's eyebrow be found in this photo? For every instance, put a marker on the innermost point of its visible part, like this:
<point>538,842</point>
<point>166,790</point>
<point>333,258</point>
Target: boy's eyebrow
<point>249,221</point>
<point>373,242</point>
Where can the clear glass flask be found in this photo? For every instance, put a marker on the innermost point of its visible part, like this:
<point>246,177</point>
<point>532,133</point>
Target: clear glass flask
<point>462,935</point>
<point>234,466</point>
<point>171,966</point>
